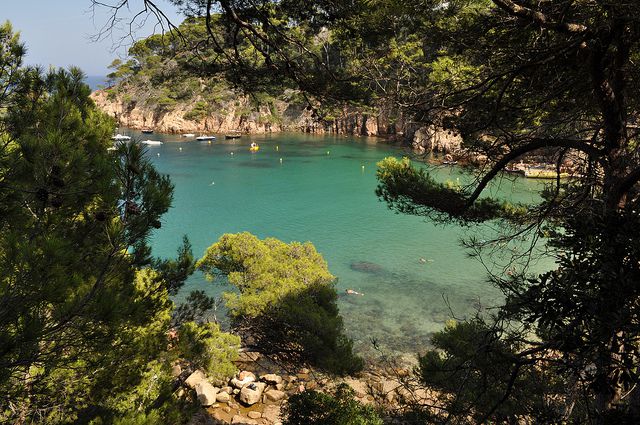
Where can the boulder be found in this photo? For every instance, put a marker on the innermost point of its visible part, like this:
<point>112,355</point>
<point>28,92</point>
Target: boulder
<point>223,397</point>
<point>194,379</point>
<point>274,395</point>
<point>206,393</point>
<point>242,375</point>
<point>243,379</point>
<point>254,415</point>
<point>271,379</point>
<point>252,393</point>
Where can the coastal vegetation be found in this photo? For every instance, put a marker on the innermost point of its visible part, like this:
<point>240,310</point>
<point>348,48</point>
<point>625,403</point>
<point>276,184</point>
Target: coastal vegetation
<point>88,328</point>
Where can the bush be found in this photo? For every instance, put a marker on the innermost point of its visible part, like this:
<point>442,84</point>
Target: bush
<point>316,408</point>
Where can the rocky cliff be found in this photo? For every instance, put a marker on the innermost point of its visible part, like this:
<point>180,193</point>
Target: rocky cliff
<point>238,115</point>
<point>241,114</point>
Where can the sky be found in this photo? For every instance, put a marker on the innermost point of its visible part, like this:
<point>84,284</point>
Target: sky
<point>59,32</point>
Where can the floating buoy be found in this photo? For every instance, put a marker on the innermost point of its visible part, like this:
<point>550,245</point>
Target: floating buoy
<point>277,148</point>
<point>363,168</point>
<point>180,149</point>
<point>212,183</point>
<point>231,153</point>
<point>327,152</point>
<point>209,141</point>
<point>158,153</point>
<point>280,160</point>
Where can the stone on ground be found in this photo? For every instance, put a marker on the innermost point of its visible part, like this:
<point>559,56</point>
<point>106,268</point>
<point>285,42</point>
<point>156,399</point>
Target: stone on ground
<point>194,379</point>
<point>252,393</point>
<point>206,393</point>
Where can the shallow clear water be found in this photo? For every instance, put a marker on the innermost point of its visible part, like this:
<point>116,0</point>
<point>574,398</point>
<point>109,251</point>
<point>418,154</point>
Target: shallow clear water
<point>321,189</point>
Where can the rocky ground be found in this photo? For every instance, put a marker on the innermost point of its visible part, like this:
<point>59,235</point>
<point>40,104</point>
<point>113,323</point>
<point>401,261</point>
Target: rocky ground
<point>256,395</point>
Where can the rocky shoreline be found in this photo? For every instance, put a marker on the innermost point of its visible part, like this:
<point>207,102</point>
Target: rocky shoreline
<point>257,394</point>
<point>241,116</point>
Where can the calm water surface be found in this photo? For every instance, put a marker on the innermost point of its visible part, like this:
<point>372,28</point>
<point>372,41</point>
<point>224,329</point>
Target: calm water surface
<point>321,189</point>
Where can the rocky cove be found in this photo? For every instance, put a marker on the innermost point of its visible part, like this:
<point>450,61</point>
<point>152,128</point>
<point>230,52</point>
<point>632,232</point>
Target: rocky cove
<point>242,115</point>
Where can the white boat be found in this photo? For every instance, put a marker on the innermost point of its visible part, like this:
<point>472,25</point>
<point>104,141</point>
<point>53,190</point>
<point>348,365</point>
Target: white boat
<point>119,137</point>
<point>151,142</point>
<point>204,138</point>
<point>189,135</point>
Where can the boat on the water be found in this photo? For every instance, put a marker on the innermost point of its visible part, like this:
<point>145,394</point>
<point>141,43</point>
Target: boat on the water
<point>147,130</point>
<point>151,142</point>
<point>235,135</point>
<point>254,147</point>
<point>205,138</point>
<point>121,138</point>
<point>189,135</point>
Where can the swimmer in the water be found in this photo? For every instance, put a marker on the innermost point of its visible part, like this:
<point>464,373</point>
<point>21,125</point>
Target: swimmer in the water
<point>422,260</point>
<point>352,292</point>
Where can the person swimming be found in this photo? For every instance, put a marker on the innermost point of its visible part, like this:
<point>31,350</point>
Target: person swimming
<point>352,292</point>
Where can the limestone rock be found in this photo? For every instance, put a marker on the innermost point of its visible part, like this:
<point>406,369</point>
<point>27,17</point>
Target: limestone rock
<point>271,379</point>
<point>244,378</point>
<point>254,415</point>
<point>252,393</point>
<point>274,395</point>
<point>206,393</point>
<point>194,379</point>
<point>435,139</point>
<point>223,397</point>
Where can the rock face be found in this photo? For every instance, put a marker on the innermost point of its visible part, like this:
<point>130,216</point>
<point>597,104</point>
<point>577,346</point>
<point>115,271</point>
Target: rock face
<point>433,139</point>
<point>206,393</point>
<point>240,115</point>
<point>252,393</point>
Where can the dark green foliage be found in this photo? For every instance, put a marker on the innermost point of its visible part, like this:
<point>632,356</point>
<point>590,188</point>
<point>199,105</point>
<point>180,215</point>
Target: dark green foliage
<point>478,372</point>
<point>316,408</point>
<point>84,308</point>
<point>287,301</point>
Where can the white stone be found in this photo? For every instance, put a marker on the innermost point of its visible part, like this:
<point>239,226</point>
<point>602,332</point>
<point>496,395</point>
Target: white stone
<point>194,379</point>
<point>274,395</point>
<point>223,397</point>
<point>206,393</point>
<point>252,393</point>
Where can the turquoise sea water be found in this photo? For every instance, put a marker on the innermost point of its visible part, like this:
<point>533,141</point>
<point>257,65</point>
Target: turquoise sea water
<point>321,189</point>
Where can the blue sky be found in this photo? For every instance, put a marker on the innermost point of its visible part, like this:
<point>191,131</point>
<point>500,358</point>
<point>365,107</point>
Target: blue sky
<point>58,32</point>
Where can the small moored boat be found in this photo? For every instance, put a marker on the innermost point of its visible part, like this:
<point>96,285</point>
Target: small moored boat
<point>147,130</point>
<point>120,138</point>
<point>151,142</point>
<point>233,135</point>
<point>205,138</point>
<point>189,135</point>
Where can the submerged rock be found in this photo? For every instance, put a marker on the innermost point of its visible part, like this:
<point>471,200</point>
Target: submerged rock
<point>367,267</point>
